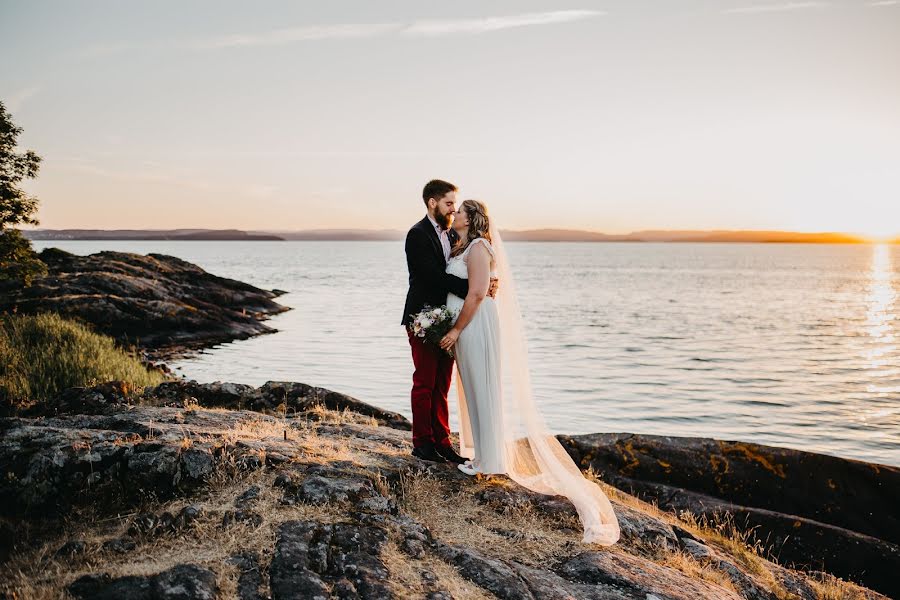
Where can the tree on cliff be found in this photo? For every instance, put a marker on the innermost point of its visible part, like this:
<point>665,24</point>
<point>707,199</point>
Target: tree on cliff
<point>17,259</point>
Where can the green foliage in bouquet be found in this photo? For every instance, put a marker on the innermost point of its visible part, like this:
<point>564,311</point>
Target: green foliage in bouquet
<point>432,324</point>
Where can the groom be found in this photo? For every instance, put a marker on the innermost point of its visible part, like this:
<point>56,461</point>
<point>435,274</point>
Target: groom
<point>428,246</point>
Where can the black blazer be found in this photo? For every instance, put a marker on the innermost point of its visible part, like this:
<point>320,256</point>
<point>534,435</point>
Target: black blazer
<point>428,281</point>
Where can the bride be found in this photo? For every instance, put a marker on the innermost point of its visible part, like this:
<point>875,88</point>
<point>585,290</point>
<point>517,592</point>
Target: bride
<point>500,426</point>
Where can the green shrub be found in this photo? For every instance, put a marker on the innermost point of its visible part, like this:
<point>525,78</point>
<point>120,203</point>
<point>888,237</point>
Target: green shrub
<point>41,355</point>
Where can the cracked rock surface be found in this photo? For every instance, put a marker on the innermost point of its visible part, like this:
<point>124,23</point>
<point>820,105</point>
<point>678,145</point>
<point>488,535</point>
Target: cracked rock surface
<point>290,491</point>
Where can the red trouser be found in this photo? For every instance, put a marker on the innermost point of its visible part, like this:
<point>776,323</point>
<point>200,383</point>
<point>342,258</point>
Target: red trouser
<point>431,382</point>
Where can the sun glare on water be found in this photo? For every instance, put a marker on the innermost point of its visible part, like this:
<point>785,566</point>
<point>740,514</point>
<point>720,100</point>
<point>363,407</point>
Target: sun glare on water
<point>880,301</point>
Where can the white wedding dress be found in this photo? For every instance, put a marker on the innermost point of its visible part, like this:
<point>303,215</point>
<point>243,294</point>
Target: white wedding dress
<point>500,427</point>
<point>477,353</point>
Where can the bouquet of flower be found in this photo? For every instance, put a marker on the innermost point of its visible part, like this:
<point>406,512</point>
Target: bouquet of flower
<point>432,324</point>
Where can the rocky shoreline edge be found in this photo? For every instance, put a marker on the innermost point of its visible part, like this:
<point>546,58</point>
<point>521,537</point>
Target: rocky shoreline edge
<point>159,305</point>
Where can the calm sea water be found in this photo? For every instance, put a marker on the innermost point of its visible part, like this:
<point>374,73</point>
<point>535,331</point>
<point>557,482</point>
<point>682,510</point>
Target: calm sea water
<point>790,345</point>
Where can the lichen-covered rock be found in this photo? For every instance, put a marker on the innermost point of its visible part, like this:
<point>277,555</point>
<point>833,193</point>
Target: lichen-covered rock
<point>72,547</point>
<point>803,505</point>
<point>273,396</point>
<point>492,574</point>
<point>636,576</point>
<point>511,580</point>
<point>242,515</point>
<point>815,486</point>
<point>307,554</point>
<point>182,582</point>
<point>644,528</point>
<point>119,545</point>
<point>55,463</point>
<point>196,466</point>
<point>248,498</point>
<point>250,579</point>
<point>291,573</point>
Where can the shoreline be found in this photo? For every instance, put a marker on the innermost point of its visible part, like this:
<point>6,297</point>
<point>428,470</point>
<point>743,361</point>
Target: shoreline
<point>99,445</point>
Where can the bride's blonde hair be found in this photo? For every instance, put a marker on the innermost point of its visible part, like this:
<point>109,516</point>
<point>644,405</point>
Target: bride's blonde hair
<point>479,225</point>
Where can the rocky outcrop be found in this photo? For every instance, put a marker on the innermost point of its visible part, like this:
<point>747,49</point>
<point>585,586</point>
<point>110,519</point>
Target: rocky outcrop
<point>285,396</point>
<point>182,582</point>
<point>810,510</point>
<point>156,302</point>
<point>290,491</point>
<point>95,444</point>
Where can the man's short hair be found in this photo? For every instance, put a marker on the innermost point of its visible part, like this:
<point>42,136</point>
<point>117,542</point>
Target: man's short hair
<point>437,189</point>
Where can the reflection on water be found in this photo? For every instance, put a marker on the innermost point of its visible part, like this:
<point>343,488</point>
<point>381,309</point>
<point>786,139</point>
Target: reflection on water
<point>880,349</point>
<point>880,301</point>
<point>783,344</point>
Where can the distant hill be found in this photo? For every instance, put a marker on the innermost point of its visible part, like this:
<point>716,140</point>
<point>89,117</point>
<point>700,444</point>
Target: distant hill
<point>342,235</point>
<point>561,235</point>
<point>749,237</point>
<point>146,234</point>
<point>531,235</point>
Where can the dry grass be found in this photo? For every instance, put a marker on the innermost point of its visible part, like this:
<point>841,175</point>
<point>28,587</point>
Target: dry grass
<point>265,432</point>
<point>327,448</point>
<point>407,581</point>
<point>690,566</point>
<point>227,576</point>
<point>454,516</point>
<point>302,434</point>
<point>739,544</point>
<point>720,532</point>
<point>535,539</point>
<point>832,588</point>
<point>628,500</point>
<point>335,417</point>
<point>256,428</point>
<point>40,574</point>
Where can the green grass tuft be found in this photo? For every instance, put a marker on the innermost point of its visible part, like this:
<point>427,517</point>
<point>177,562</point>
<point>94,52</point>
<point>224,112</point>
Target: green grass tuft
<point>41,355</point>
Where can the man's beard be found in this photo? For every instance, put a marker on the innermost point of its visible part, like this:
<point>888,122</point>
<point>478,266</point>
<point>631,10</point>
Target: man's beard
<point>443,220</point>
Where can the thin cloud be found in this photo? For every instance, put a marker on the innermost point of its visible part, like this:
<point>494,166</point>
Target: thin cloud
<point>485,25</point>
<point>293,35</point>
<point>278,37</point>
<point>885,3</point>
<point>765,8</point>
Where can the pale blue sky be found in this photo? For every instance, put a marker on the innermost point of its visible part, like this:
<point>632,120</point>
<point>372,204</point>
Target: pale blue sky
<point>612,116</point>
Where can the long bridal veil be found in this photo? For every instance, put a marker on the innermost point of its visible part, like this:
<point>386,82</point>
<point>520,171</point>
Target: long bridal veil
<point>534,457</point>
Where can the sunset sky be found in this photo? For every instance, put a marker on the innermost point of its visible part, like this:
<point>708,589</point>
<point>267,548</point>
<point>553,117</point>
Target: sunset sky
<point>611,116</point>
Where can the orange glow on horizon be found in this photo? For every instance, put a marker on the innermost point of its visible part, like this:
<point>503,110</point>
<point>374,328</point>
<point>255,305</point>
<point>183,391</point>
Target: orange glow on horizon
<point>884,236</point>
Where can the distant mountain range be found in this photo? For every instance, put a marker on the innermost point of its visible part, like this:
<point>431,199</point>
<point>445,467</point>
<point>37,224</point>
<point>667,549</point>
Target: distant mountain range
<point>146,234</point>
<point>532,235</point>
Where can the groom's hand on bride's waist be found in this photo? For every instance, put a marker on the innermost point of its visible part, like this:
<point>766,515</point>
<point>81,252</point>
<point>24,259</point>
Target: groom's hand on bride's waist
<point>492,290</point>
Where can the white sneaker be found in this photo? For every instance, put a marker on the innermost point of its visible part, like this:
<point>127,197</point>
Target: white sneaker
<point>468,468</point>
